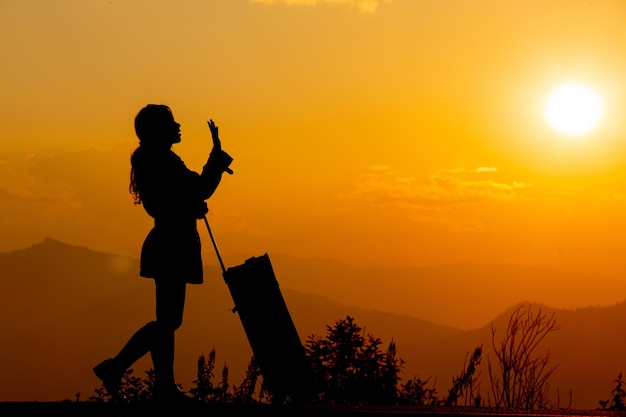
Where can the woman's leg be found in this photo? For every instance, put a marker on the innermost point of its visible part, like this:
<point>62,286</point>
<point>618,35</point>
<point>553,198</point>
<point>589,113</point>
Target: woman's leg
<point>170,304</point>
<point>156,337</point>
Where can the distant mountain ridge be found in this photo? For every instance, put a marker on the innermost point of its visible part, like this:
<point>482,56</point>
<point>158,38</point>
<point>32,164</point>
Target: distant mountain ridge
<point>466,296</point>
<point>67,307</point>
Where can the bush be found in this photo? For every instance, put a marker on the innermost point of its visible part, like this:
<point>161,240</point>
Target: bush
<point>350,368</point>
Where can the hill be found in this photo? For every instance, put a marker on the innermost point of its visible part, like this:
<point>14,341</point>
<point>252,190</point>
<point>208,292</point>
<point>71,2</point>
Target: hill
<point>65,308</point>
<point>586,348</point>
<point>464,295</point>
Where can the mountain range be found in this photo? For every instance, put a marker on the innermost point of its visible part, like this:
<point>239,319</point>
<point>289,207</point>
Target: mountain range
<point>64,308</point>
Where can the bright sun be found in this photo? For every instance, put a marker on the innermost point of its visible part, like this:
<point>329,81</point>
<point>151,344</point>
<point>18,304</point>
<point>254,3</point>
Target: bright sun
<point>573,109</point>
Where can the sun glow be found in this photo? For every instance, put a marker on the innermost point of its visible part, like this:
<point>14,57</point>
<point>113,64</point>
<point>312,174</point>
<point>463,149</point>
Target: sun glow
<point>574,109</point>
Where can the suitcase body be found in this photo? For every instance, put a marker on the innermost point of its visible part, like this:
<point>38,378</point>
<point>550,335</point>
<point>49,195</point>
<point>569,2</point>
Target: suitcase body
<point>272,335</point>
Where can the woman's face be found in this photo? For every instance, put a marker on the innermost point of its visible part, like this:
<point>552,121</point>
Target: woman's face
<point>170,130</point>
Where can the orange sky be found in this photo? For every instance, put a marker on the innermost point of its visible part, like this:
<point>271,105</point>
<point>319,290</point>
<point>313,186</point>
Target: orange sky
<point>389,132</point>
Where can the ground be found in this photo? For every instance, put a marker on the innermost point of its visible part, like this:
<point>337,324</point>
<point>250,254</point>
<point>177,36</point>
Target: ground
<point>92,409</point>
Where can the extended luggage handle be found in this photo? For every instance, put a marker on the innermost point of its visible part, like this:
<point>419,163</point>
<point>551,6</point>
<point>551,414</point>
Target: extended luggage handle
<point>217,252</point>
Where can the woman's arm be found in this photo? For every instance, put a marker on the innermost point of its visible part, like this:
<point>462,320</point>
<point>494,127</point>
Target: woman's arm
<point>218,163</point>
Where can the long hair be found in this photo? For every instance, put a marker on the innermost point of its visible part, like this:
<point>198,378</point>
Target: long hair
<point>148,123</point>
<point>132,188</point>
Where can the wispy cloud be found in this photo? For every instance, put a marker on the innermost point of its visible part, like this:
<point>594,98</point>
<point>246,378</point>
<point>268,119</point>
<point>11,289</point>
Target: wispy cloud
<point>365,6</point>
<point>439,190</point>
<point>486,169</point>
<point>70,195</point>
<point>64,185</point>
<point>27,193</point>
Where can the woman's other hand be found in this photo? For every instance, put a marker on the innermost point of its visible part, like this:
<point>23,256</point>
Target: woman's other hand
<point>201,210</point>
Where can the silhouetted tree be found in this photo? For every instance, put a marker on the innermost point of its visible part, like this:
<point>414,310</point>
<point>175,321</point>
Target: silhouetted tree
<point>467,383</point>
<point>203,389</point>
<point>520,378</point>
<point>391,372</point>
<point>349,366</point>
<point>222,391</point>
<point>414,392</point>
<point>619,394</point>
<point>101,395</point>
<point>244,393</point>
<point>149,381</point>
<point>133,388</point>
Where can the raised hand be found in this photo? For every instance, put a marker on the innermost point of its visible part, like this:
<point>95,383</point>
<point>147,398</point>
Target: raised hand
<point>217,144</point>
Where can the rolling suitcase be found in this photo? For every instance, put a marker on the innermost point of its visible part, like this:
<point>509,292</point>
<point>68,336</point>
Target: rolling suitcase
<point>268,326</point>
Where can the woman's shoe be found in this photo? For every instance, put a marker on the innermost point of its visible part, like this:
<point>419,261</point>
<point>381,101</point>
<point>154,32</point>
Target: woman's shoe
<point>111,378</point>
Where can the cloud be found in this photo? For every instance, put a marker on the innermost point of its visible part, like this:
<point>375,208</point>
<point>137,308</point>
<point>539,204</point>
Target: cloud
<point>486,169</point>
<point>438,191</point>
<point>67,195</point>
<point>458,199</point>
<point>28,194</point>
<point>365,6</point>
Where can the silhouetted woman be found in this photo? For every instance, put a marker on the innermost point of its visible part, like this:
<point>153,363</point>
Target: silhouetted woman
<point>175,197</point>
